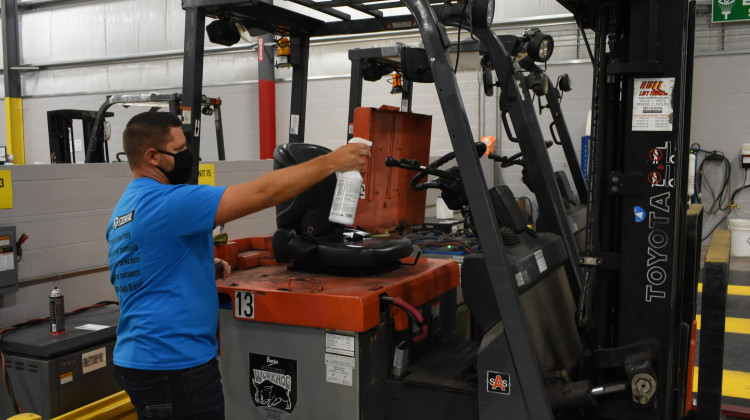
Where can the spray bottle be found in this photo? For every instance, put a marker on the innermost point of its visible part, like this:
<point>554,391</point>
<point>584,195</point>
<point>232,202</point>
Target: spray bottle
<point>346,195</point>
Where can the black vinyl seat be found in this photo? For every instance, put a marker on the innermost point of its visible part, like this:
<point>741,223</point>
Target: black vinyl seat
<point>307,238</point>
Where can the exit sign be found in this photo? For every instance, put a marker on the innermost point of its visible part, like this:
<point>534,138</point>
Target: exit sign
<point>730,10</point>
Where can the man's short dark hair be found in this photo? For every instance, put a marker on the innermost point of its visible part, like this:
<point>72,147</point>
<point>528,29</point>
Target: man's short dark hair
<point>146,130</point>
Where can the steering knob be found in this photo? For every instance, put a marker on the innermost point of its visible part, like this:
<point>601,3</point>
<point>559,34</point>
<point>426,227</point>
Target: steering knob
<point>481,148</point>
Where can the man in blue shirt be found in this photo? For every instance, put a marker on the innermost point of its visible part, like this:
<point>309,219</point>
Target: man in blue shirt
<point>162,266</point>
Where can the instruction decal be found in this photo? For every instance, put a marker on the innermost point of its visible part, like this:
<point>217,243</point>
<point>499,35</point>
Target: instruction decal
<point>340,369</point>
<point>541,263</point>
<point>340,344</point>
<point>498,382</point>
<point>652,104</point>
<point>294,124</point>
<point>7,256</point>
<point>187,118</point>
<point>273,383</point>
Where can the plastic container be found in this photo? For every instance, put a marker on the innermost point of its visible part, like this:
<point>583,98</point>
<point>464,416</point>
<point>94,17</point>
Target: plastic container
<point>346,195</point>
<point>740,237</point>
<point>441,209</point>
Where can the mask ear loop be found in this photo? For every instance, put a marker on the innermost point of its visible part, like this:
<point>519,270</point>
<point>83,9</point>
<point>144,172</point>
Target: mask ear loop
<point>158,166</point>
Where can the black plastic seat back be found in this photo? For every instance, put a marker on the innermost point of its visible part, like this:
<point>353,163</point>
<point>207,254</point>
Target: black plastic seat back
<point>308,212</point>
<point>506,208</point>
<point>306,237</point>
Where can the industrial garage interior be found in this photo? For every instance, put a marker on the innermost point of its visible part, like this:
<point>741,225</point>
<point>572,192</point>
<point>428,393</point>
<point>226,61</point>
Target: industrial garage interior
<point>570,177</point>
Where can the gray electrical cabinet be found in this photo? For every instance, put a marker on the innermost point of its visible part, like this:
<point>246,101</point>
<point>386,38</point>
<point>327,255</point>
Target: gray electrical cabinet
<point>53,374</point>
<point>8,256</point>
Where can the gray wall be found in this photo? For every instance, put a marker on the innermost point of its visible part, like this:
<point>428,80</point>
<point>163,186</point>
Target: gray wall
<point>64,209</point>
<point>721,105</point>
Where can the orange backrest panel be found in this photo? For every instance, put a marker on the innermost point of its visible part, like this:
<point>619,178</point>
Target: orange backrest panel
<point>389,204</point>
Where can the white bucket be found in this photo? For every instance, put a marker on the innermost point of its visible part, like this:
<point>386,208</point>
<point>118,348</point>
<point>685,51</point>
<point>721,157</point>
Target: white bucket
<point>740,237</point>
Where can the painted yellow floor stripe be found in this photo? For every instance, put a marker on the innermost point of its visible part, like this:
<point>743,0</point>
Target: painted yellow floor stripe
<point>731,289</point>
<point>731,325</point>
<point>734,384</point>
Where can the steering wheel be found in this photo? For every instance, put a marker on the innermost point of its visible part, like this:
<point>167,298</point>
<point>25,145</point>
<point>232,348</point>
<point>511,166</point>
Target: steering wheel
<point>440,182</point>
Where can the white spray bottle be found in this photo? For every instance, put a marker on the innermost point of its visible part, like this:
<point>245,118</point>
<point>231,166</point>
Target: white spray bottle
<point>346,196</point>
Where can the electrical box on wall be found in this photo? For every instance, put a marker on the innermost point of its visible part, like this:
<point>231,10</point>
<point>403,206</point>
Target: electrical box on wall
<point>745,155</point>
<point>8,257</point>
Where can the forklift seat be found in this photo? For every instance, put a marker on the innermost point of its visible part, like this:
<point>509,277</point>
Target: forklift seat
<point>307,238</point>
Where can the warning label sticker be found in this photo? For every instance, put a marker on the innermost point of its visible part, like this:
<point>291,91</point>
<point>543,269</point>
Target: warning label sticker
<point>340,344</point>
<point>341,375</point>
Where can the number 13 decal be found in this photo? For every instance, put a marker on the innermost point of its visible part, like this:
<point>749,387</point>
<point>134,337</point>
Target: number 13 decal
<point>244,305</point>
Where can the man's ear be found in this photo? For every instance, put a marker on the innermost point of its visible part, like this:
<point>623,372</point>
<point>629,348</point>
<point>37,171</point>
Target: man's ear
<point>150,156</point>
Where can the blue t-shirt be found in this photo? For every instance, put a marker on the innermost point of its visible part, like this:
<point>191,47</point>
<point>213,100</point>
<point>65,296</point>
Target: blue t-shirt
<point>161,265</point>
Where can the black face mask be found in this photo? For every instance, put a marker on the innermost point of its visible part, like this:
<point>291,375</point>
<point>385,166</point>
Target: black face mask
<point>183,166</point>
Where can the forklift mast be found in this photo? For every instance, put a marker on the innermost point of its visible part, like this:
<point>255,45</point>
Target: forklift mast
<point>62,137</point>
<point>637,290</point>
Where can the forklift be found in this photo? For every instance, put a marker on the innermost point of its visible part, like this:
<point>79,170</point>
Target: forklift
<point>97,130</point>
<point>601,331</point>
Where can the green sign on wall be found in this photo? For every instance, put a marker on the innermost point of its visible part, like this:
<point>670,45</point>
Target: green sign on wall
<point>730,10</point>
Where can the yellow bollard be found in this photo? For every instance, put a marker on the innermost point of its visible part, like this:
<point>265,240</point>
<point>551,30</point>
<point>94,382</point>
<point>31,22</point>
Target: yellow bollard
<point>115,407</point>
<point>26,416</point>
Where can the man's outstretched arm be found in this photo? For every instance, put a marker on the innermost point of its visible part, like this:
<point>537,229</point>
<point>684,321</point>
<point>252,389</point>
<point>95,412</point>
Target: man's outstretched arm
<point>283,184</point>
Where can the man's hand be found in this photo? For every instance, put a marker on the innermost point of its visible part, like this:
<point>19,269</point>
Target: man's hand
<point>222,270</point>
<point>349,157</point>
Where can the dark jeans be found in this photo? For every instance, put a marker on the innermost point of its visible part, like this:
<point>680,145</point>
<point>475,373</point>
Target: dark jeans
<point>193,393</point>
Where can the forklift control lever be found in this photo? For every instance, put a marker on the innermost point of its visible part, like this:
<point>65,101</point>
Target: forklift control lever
<point>515,159</point>
<point>414,165</point>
